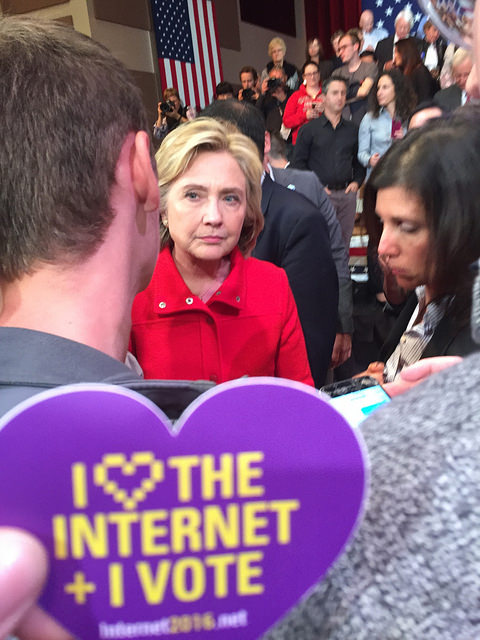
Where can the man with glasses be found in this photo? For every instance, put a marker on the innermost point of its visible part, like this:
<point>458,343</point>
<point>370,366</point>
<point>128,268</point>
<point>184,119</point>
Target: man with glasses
<point>360,76</point>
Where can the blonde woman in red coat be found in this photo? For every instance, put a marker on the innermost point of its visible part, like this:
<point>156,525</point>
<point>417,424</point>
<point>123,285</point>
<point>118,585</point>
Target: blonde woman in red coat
<point>210,311</point>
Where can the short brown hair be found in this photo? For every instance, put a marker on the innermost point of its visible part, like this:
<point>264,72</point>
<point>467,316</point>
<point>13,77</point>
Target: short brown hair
<point>72,104</point>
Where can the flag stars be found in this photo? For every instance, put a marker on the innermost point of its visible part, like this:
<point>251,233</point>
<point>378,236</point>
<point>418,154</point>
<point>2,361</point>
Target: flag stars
<point>388,11</point>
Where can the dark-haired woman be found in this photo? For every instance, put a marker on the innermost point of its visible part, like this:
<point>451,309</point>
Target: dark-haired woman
<point>407,58</point>
<point>392,101</point>
<point>314,53</point>
<point>427,202</point>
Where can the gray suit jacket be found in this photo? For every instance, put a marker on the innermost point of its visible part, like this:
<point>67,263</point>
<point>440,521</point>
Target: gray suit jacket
<point>308,184</point>
<point>449,99</point>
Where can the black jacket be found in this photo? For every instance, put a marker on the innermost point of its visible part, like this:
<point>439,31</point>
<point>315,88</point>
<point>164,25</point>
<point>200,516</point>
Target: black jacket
<point>296,238</point>
<point>448,339</point>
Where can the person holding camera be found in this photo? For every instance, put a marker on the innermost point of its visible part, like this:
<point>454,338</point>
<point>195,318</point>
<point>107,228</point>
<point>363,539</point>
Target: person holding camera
<point>171,113</point>
<point>249,80</point>
<point>272,102</point>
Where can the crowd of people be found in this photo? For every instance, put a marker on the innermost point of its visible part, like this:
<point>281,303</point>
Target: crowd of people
<point>249,256</point>
<point>337,118</point>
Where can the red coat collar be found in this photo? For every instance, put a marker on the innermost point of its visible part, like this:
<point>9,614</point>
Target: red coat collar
<point>171,294</point>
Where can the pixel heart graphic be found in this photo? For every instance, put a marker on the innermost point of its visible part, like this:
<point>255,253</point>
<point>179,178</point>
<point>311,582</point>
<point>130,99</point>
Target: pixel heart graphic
<point>215,527</point>
<point>128,468</point>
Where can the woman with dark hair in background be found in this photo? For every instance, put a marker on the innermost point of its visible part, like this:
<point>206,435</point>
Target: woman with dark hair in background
<point>314,53</point>
<point>391,103</point>
<point>407,58</point>
<point>427,236</point>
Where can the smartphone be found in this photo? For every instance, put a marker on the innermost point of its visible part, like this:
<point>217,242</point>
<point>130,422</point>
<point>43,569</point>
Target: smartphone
<point>356,398</point>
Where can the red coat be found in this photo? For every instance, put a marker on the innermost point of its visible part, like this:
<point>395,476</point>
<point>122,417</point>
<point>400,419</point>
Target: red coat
<point>295,114</point>
<point>248,327</point>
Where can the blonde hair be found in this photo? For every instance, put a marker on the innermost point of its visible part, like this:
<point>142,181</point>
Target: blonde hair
<point>182,146</point>
<point>276,42</point>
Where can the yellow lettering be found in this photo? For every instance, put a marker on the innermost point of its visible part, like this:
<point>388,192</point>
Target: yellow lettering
<point>60,537</point>
<point>153,588</point>
<point>219,527</point>
<point>246,472</point>
<point>151,530</point>
<point>283,509</point>
<point>85,537</point>
<point>115,579</point>
<point>184,466</point>
<point>79,485</point>
<point>124,523</point>
<point>223,475</point>
<point>220,566</point>
<point>246,572</point>
<point>181,591</point>
<point>185,526</point>
<point>252,522</point>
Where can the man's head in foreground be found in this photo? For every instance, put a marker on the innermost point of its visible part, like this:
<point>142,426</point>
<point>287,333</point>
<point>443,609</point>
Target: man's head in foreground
<point>78,192</point>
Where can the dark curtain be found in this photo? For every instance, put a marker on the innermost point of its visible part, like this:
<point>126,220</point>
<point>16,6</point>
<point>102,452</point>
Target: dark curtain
<point>323,17</point>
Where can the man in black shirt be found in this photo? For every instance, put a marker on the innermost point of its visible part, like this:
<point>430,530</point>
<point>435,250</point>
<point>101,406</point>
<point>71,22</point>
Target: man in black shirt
<point>328,146</point>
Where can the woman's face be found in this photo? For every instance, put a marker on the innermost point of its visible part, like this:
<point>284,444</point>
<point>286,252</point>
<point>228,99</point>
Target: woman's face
<point>385,91</point>
<point>405,240</point>
<point>277,55</point>
<point>311,76</point>
<point>206,208</point>
<point>313,48</point>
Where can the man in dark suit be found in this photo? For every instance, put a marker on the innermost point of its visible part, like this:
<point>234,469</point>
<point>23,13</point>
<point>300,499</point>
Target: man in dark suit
<point>384,49</point>
<point>433,49</point>
<point>308,184</point>
<point>455,96</point>
<point>295,238</point>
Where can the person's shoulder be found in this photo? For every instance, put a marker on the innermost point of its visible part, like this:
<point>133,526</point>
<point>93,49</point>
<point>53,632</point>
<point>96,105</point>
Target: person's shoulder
<point>341,72</point>
<point>292,208</point>
<point>384,42</point>
<point>310,127</point>
<point>370,68</point>
<point>349,124</point>
<point>266,272</point>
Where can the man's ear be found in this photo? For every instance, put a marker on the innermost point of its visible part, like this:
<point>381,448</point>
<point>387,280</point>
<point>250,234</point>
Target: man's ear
<point>268,144</point>
<point>144,178</point>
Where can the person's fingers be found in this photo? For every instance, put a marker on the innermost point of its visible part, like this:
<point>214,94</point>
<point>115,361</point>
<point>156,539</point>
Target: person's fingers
<point>424,368</point>
<point>418,372</point>
<point>23,569</point>
<point>38,625</point>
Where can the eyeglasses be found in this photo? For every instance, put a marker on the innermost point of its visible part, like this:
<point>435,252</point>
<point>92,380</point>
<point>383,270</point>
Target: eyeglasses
<point>310,75</point>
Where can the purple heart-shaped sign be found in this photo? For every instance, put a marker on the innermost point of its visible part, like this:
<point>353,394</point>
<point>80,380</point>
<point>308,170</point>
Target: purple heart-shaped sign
<point>219,524</point>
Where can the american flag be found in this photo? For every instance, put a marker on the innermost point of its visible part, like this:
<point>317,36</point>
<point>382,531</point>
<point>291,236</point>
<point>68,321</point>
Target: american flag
<point>187,48</point>
<point>385,12</point>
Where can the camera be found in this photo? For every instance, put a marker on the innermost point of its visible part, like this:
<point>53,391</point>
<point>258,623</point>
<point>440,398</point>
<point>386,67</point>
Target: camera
<point>167,107</point>
<point>274,83</point>
<point>247,94</point>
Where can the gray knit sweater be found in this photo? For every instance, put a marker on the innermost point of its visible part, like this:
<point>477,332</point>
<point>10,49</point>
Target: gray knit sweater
<point>413,569</point>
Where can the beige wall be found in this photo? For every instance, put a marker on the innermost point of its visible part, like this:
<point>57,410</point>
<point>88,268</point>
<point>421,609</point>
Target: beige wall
<point>254,43</point>
<point>135,47</point>
<point>77,9</point>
